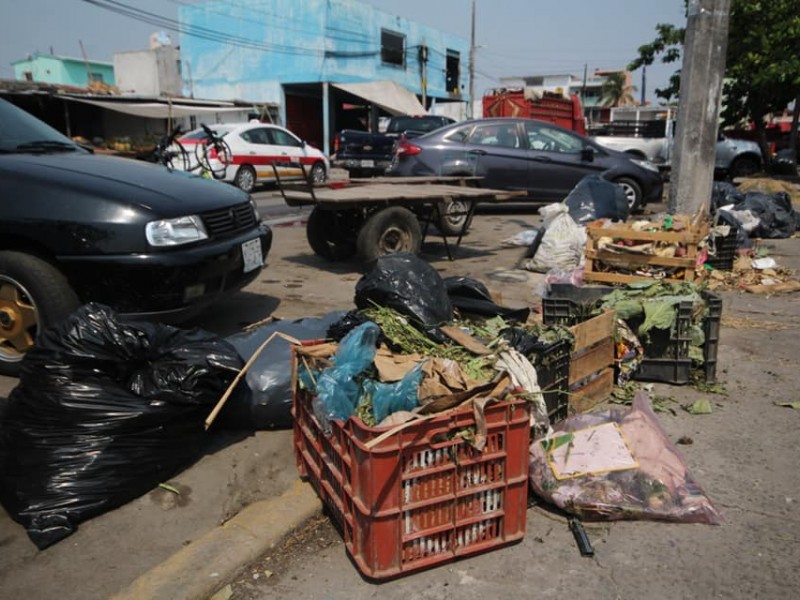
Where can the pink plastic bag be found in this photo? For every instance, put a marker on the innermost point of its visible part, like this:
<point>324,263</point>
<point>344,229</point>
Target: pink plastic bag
<point>618,464</point>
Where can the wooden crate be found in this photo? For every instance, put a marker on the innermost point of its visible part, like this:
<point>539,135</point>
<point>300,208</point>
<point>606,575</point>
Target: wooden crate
<point>591,367</point>
<point>592,392</point>
<point>689,237</point>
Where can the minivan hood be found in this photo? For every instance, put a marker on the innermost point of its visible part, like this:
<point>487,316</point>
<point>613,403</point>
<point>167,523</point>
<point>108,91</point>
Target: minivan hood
<point>123,179</point>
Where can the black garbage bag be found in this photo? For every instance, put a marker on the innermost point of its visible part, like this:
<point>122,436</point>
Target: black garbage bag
<point>777,218</point>
<point>104,411</point>
<point>406,283</point>
<point>472,297</point>
<point>724,193</point>
<point>265,401</point>
<point>596,198</point>
<point>346,324</point>
<point>523,342</point>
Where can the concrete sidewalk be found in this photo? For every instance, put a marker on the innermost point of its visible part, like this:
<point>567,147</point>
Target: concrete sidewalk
<point>198,569</point>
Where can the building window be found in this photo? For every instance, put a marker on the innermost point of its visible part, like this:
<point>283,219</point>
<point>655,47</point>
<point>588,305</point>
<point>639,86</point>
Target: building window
<point>393,48</point>
<point>96,77</point>
<point>28,75</point>
<point>451,73</point>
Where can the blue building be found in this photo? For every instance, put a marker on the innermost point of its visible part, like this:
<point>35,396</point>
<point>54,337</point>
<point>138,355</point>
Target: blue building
<point>327,64</point>
<point>62,70</point>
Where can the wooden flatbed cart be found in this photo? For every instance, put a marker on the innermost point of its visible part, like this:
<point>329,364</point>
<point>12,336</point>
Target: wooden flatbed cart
<point>386,215</point>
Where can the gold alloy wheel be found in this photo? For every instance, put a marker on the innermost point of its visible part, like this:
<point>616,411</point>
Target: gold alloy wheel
<point>18,320</point>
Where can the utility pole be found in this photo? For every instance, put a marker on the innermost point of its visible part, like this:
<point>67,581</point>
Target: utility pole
<point>472,67</point>
<point>423,59</point>
<point>701,90</point>
<point>644,85</point>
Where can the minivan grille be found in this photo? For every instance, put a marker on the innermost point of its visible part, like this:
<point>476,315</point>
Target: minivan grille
<point>224,222</point>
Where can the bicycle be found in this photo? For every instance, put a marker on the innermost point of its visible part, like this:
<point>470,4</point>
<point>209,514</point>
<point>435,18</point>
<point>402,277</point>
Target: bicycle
<point>212,154</point>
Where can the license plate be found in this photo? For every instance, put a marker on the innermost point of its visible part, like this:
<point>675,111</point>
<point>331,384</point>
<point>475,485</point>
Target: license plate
<point>251,254</point>
<point>367,163</point>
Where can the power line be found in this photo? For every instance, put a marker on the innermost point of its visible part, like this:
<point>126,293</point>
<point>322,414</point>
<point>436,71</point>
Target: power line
<point>201,32</point>
<point>357,37</point>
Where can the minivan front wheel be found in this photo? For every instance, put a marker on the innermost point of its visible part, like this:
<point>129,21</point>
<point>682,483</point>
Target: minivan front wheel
<point>33,295</point>
<point>633,193</point>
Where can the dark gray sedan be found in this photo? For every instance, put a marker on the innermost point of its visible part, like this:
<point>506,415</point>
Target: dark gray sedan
<point>544,160</point>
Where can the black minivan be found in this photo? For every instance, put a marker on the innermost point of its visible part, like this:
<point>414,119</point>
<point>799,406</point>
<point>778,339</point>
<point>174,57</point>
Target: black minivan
<point>77,227</point>
<point>540,158</point>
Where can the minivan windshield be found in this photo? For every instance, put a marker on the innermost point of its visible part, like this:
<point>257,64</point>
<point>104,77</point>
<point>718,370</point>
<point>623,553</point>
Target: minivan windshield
<point>20,131</point>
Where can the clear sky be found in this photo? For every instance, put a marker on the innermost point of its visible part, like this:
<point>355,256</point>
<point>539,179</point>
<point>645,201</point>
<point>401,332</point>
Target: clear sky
<point>514,37</point>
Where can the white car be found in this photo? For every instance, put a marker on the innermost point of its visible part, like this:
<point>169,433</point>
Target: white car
<point>255,147</point>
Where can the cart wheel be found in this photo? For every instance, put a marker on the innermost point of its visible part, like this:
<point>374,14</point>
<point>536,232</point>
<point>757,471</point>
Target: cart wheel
<point>390,230</point>
<point>331,234</point>
<point>454,213</point>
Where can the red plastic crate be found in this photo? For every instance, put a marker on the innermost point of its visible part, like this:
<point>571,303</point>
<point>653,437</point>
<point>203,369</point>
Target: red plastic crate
<point>421,497</point>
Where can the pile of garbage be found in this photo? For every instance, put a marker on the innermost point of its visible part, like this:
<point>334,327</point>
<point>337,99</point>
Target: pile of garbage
<point>409,350</point>
<point>755,275</point>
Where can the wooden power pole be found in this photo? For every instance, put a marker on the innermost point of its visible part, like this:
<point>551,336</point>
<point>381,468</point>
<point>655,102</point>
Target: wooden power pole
<point>702,73</point>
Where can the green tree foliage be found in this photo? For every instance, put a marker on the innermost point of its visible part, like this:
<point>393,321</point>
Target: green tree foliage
<point>667,47</point>
<point>617,91</point>
<point>762,72</point>
<point>763,62</point>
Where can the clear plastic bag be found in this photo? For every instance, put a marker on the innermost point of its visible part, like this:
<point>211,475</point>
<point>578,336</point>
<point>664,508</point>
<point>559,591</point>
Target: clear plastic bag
<point>618,464</point>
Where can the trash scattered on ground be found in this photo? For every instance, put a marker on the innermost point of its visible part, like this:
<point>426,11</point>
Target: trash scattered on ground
<point>747,276</point>
<point>794,405</point>
<point>699,407</point>
<point>618,464</point>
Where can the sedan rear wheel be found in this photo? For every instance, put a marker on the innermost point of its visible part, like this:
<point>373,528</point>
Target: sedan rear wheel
<point>33,295</point>
<point>245,178</point>
<point>455,217</point>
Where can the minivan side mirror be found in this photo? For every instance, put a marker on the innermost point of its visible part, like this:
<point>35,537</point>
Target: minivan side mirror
<point>588,153</point>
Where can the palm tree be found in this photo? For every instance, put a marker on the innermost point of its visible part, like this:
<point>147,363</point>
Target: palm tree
<point>616,90</point>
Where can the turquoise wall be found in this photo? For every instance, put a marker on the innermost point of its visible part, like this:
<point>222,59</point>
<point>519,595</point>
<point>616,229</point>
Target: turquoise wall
<point>306,41</point>
<point>59,70</point>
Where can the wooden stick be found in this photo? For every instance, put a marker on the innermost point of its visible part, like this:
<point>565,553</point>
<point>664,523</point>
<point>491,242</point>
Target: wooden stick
<point>387,434</point>
<point>241,373</point>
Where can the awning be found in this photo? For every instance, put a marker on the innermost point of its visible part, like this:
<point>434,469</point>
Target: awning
<point>161,110</point>
<point>390,96</point>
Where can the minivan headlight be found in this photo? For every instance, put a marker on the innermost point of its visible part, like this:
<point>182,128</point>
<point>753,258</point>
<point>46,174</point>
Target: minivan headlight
<point>254,206</point>
<point>174,232</point>
<point>645,164</point>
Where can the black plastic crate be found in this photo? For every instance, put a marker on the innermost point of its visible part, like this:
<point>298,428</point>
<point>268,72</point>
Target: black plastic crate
<point>711,328</point>
<point>668,359</point>
<point>552,373</point>
<point>724,250</point>
<point>568,305</point>
<point>673,364</point>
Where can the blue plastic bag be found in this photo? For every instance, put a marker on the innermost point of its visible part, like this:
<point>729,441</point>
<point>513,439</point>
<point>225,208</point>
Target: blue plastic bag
<point>337,388</point>
<point>389,398</point>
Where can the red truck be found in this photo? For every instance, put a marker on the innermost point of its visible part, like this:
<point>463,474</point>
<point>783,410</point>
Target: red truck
<point>544,106</point>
